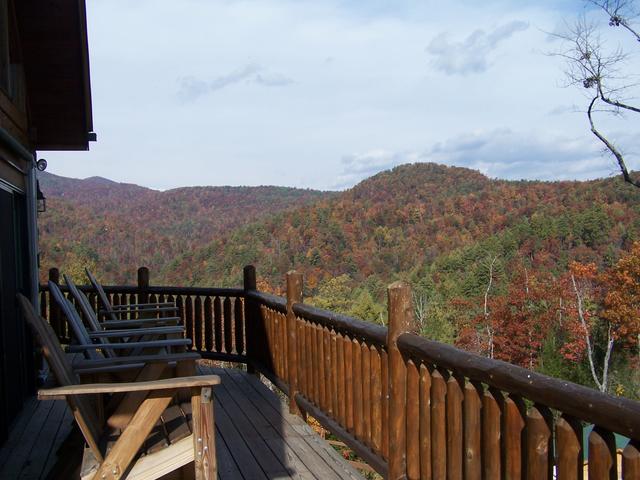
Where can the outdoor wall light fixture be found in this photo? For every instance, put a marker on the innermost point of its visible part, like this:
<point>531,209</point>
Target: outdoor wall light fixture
<point>42,201</point>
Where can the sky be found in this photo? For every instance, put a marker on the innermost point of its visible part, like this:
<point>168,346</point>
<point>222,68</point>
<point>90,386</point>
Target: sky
<point>324,93</point>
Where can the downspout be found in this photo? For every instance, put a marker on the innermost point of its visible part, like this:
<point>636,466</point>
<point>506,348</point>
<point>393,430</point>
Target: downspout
<point>32,220</point>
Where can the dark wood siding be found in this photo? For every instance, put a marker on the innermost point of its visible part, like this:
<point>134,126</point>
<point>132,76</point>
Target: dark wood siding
<point>17,375</point>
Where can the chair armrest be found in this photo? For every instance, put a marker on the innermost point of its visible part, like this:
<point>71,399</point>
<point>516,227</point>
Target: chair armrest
<point>155,358</point>
<point>94,388</point>
<point>143,306</point>
<point>136,332</point>
<point>139,322</point>
<point>129,345</point>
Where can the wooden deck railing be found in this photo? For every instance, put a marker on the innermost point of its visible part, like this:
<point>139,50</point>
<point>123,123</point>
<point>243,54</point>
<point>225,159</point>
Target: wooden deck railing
<point>410,407</point>
<point>213,317</point>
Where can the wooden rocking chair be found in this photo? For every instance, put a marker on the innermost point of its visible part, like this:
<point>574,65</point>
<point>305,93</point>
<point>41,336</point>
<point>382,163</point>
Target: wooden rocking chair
<point>105,342</point>
<point>154,438</point>
<point>115,312</point>
<point>157,327</point>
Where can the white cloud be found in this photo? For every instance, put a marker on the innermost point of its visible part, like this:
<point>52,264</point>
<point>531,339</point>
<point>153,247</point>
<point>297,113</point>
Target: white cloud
<point>279,91</point>
<point>499,154</point>
<point>471,55</point>
<point>192,88</point>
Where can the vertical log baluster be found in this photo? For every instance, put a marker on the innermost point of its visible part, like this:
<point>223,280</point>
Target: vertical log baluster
<point>238,318</point>
<point>424,421</point>
<point>228,329</point>
<point>358,425</point>
<point>455,443</point>
<point>326,350</point>
<point>275,341</point>
<point>334,373</point>
<point>538,444</point>
<point>315,367</point>
<point>631,460</point>
<point>472,431</point>
<point>413,426</point>
<point>208,324</point>
<point>602,455</point>
<point>376,402</point>
<point>366,393</point>
<point>342,418</point>
<point>180,306</point>
<point>569,447</point>
<point>217,324</point>
<point>384,373</point>
<point>438,426</point>
<point>284,353</point>
<point>348,380</point>
<point>188,311</point>
<point>302,357</point>
<point>153,299</point>
<point>513,425</point>
<point>310,361</point>
<point>272,339</point>
<point>320,365</point>
<point>197,323</point>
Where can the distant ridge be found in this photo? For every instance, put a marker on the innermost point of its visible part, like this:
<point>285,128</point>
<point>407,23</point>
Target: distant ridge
<point>120,226</point>
<point>399,221</point>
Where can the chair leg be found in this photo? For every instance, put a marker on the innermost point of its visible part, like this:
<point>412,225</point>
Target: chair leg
<point>186,368</point>
<point>204,434</point>
<point>118,460</point>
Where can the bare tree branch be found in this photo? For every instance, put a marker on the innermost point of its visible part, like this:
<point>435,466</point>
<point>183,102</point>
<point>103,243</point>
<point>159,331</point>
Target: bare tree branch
<point>591,65</point>
<point>488,321</point>
<point>602,384</point>
<point>616,153</point>
<point>620,12</point>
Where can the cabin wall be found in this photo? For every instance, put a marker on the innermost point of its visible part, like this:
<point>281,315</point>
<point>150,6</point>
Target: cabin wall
<point>18,241</point>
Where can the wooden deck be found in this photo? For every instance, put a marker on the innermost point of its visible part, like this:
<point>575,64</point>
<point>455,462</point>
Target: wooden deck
<point>256,437</point>
<point>35,439</point>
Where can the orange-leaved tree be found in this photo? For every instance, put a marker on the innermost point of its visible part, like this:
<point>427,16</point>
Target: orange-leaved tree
<point>621,304</point>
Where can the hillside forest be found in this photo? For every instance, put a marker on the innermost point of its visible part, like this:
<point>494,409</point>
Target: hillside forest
<point>545,275</point>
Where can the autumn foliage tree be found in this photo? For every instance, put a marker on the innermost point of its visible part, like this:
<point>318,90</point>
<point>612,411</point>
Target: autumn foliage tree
<point>621,304</point>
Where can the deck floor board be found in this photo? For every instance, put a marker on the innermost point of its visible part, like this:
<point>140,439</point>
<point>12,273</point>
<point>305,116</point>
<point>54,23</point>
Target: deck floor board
<point>256,437</point>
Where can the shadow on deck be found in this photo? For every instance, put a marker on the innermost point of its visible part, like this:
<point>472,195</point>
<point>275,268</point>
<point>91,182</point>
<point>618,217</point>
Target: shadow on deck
<point>256,437</point>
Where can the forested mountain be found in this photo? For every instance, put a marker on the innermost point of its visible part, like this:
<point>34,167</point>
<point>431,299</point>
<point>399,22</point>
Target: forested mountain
<point>517,270</point>
<point>418,217</point>
<point>116,227</point>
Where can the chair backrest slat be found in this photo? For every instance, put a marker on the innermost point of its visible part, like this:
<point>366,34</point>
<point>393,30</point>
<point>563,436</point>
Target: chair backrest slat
<point>79,331</point>
<point>81,407</point>
<point>89,314</point>
<point>101,295</point>
<point>84,303</point>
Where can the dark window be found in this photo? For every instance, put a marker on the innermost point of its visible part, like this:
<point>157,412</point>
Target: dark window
<point>11,69</point>
<point>4,46</point>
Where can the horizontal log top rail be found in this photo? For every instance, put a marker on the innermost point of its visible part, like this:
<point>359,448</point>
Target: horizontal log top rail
<point>274,302</point>
<point>367,332</point>
<point>617,414</point>
<point>158,290</point>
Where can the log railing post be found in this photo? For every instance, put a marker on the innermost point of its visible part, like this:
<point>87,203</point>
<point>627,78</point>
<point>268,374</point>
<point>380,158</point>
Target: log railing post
<point>143,292</point>
<point>400,311</point>
<point>294,295</point>
<point>143,285</point>
<point>251,317</point>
